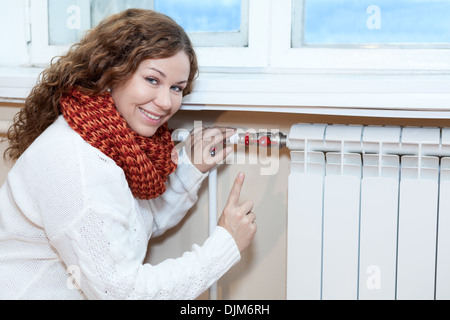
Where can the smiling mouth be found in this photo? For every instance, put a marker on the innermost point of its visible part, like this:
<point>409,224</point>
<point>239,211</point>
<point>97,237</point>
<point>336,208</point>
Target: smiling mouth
<point>151,116</point>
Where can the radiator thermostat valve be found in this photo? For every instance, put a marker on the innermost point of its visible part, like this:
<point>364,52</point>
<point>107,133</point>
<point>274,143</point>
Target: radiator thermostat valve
<point>261,139</point>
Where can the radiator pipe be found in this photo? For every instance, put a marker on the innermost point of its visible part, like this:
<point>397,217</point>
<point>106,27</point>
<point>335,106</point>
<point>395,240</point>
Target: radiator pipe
<point>272,140</point>
<point>212,191</point>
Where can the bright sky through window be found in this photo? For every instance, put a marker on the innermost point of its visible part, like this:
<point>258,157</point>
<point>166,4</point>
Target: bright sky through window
<point>69,19</point>
<point>331,22</point>
<point>203,15</point>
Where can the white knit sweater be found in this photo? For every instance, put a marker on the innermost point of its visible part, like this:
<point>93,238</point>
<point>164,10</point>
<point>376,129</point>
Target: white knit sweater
<point>71,229</point>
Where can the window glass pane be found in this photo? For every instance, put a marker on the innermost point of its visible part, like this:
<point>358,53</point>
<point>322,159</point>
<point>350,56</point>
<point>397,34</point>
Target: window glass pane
<point>69,19</point>
<point>354,22</point>
<point>102,8</point>
<point>203,15</point>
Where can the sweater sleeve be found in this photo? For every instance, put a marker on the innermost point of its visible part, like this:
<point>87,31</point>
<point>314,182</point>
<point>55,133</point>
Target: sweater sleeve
<point>110,263</point>
<point>193,273</point>
<point>181,194</point>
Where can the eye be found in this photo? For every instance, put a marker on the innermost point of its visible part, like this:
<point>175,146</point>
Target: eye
<point>152,80</point>
<point>177,88</point>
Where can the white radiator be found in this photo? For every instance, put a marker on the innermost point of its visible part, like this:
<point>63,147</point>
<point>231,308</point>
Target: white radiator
<point>368,212</point>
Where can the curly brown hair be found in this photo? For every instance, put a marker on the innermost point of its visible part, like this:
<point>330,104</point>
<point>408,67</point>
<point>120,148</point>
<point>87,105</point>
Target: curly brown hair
<point>107,55</point>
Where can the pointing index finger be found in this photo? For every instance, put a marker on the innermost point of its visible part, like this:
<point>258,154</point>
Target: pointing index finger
<point>236,189</point>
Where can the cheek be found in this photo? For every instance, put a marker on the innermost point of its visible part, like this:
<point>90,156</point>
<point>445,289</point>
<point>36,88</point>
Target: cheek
<point>118,103</point>
<point>176,105</point>
<point>120,98</point>
<point>129,92</point>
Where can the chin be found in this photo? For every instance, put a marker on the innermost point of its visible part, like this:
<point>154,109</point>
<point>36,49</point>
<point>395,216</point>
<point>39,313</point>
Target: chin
<point>145,132</point>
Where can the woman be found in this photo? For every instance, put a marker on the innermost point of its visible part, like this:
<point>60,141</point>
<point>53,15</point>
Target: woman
<point>95,177</point>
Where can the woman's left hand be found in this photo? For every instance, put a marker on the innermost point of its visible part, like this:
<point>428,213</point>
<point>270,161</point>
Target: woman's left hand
<point>205,146</point>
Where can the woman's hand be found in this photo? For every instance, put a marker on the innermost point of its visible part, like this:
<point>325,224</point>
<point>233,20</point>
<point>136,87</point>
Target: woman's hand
<point>238,219</point>
<point>205,147</point>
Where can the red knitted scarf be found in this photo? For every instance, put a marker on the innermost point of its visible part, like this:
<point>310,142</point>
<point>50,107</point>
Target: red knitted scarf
<point>146,162</point>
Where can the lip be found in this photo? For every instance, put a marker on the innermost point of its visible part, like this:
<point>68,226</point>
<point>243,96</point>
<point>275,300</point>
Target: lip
<point>147,118</point>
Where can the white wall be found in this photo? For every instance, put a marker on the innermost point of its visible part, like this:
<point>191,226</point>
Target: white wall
<point>13,45</point>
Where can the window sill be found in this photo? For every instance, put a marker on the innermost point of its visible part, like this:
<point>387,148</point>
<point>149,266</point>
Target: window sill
<point>358,94</point>
<point>377,95</point>
<point>17,82</point>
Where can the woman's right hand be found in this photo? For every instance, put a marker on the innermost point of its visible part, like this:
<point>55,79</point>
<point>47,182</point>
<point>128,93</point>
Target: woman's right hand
<point>238,219</point>
<point>201,143</point>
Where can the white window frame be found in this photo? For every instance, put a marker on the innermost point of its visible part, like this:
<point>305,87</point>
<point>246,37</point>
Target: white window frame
<point>225,39</point>
<point>344,59</point>
<point>240,51</point>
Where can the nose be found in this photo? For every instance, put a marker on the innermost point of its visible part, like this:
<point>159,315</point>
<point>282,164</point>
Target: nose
<point>163,99</point>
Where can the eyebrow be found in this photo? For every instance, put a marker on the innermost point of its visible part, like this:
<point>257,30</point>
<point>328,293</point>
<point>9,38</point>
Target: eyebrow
<point>164,75</point>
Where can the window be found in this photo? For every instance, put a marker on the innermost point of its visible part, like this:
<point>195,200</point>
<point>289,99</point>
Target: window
<point>209,22</point>
<point>362,35</point>
<point>368,22</point>
<point>286,35</point>
<point>336,57</point>
<point>56,24</point>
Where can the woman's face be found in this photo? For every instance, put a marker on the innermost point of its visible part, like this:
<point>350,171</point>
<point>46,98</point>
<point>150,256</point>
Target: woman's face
<point>153,94</point>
